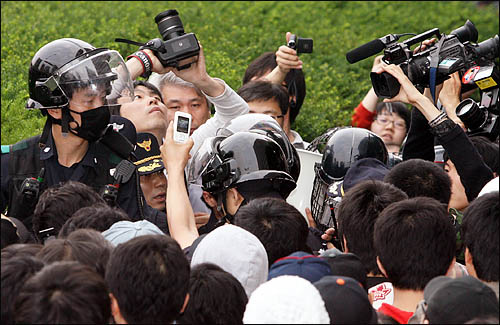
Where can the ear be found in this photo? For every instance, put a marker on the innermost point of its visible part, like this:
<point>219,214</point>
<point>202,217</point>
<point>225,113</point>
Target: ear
<point>469,263</point>
<point>209,199</point>
<point>186,300</point>
<point>451,269</point>
<point>55,113</point>
<point>381,267</point>
<point>346,249</point>
<point>115,311</point>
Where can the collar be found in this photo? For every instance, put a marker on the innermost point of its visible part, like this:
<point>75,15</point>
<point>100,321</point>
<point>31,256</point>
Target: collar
<point>49,151</point>
<point>401,316</point>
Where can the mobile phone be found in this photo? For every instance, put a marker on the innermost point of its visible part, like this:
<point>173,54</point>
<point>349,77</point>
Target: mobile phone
<point>182,126</point>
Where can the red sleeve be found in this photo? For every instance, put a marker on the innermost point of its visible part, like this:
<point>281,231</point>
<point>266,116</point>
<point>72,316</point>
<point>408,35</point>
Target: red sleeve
<point>362,118</point>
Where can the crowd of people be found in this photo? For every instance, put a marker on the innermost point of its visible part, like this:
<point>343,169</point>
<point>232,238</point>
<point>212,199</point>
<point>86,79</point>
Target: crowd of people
<point>107,219</point>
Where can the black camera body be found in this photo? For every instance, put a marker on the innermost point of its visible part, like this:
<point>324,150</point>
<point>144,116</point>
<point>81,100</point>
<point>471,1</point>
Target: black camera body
<point>300,44</point>
<point>177,49</point>
<point>454,52</point>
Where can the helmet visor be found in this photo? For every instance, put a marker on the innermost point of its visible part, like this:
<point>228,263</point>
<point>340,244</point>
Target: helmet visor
<point>201,160</point>
<point>98,78</point>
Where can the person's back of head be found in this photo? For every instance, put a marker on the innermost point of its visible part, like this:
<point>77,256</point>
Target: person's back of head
<point>346,301</point>
<point>356,216</point>
<point>64,293</point>
<point>215,297</point>
<point>489,151</point>
<point>479,231</point>
<point>98,217</point>
<point>418,177</point>
<point>20,249</point>
<point>236,251</point>
<point>414,241</point>
<point>57,204</point>
<point>148,277</point>
<point>286,299</point>
<point>86,246</point>
<point>264,64</point>
<point>457,300</point>
<point>15,272</point>
<point>279,226</point>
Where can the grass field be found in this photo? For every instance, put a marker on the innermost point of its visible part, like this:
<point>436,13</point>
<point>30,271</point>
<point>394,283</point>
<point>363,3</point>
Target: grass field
<point>232,34</point>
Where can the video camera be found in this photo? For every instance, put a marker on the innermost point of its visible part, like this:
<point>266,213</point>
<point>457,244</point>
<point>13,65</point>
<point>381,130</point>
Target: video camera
<point>454,52</point>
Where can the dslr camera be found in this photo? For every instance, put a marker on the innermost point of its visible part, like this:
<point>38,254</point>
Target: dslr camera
<point>482,119</point>
<point>177,49</point>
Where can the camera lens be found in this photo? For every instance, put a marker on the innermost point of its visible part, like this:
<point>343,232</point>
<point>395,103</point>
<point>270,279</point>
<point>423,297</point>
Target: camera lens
<point>471,114</point>
<point>169,24</point>
<point>489,48</point>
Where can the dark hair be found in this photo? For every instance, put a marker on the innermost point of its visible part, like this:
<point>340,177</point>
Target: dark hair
<point>115,109</point>
<point>266,63</point>
<point>149,277</point>
<point>215,297</point>
<point>356,215</point>
<point>57,204</point>
<point>263,91</point>
<point>279,226</point>
<point>99,217</point>
<point>13,250</point>
<point>480,227</point>
<point>86,246</point>
<point>64,293</point>
<point>488,150</point>
<point>9,233</point>
<point>15,272</point>
<point>415,241</point>
<point>396,107</point>
<point>418,177</point>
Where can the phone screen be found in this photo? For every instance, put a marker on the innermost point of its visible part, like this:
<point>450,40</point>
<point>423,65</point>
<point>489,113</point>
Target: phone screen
<point>182,124</point>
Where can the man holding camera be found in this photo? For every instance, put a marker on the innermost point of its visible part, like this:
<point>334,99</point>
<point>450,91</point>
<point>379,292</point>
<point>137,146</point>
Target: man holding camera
<point>74,85</point>
<point>283,68</point>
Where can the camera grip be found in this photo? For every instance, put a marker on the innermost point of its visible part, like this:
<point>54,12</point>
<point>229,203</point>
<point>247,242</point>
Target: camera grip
<point>384,84</point>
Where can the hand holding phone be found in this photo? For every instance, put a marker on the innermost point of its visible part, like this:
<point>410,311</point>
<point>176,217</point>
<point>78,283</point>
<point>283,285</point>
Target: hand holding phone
<point>182,126</point>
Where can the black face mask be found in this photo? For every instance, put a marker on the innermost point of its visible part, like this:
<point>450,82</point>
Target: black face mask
<point>94,122</point>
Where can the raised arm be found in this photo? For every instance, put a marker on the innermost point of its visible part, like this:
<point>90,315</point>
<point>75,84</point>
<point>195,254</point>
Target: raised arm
<point>180,216</point>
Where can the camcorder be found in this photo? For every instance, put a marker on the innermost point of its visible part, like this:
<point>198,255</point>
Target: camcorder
<point>301,45</point>
<point>454,52</point>
<point>457,51</point>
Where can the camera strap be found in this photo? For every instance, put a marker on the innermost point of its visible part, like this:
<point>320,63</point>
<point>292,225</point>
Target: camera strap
<point>433,69</point>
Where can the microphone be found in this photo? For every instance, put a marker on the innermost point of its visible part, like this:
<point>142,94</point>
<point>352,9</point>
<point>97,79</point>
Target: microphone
<point>371,48</point>
<point>365,51</point>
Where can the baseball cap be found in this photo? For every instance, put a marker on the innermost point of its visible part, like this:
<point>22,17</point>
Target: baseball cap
<point>302,264</point>
<point>345,264</point>
<point>346,300</point>
<point>147,152</point>
<point>362,170</point>
<point>123,231</point>
<point>458,300</point>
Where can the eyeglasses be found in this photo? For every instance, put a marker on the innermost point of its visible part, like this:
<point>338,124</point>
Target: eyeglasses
<point>385,121</point>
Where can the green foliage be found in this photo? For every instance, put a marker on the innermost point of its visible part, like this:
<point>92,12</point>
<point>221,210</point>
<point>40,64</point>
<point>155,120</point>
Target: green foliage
<point>232,34</point>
